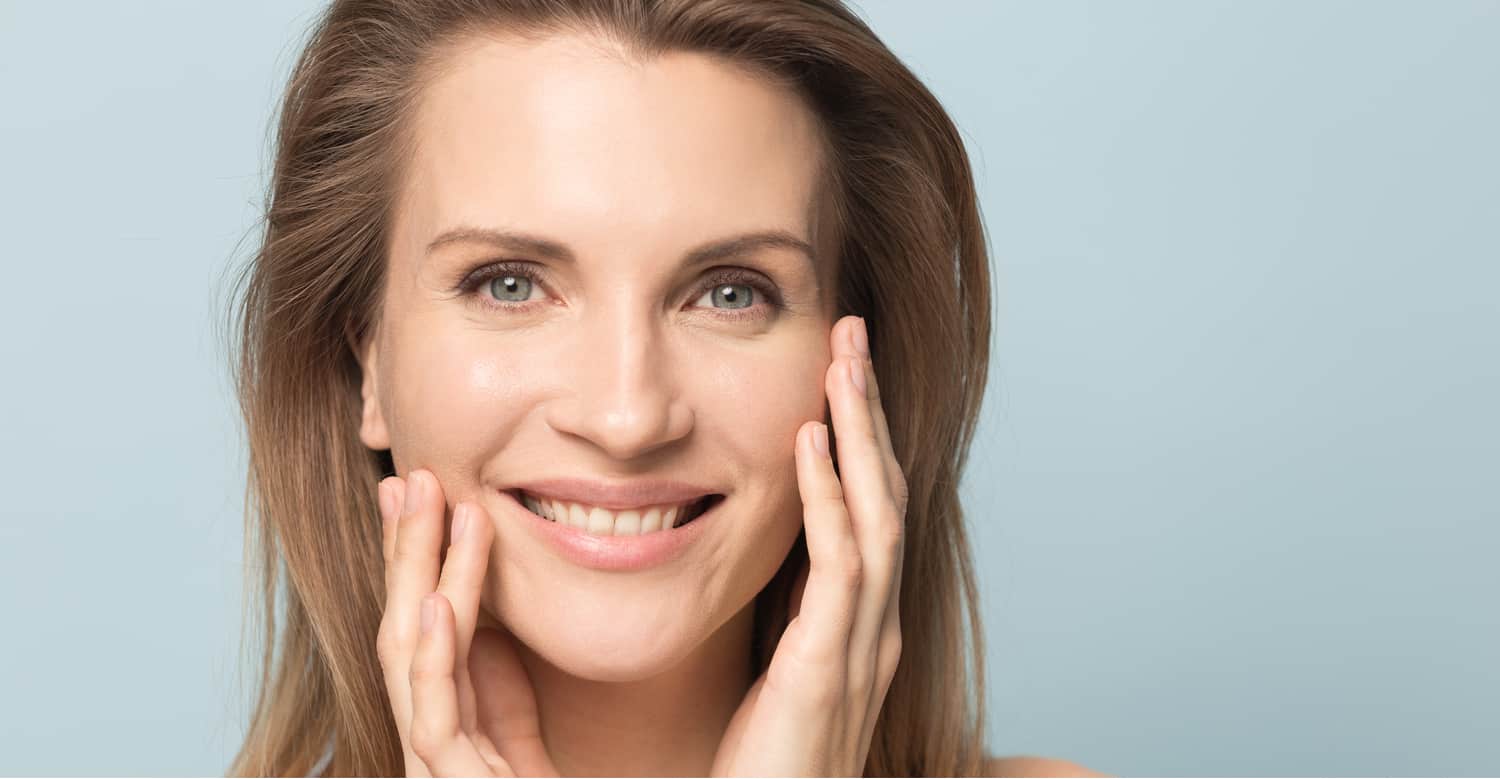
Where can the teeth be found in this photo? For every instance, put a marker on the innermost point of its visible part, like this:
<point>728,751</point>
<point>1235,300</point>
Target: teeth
<point>603,522</point>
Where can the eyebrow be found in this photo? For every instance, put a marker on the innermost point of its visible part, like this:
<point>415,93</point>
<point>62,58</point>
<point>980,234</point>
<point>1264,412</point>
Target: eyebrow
<point>723,248</point>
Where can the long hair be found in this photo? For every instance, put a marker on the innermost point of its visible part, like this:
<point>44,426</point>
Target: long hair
<point>912,261</point>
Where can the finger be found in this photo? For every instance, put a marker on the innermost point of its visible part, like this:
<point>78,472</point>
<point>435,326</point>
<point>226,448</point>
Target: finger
<point>734,733</point>
<point>414,569</point>
<point>435,734</point>
<point>888,641</point>
<point>819,635</point>
<point>872,504</point>
<point>886,664</point>
<point>506,707</point>
<point>392,495</point>
<point>394,656</point>
<point>807,680</point>
<point>894,477</point>
<point>863,464</point>
<point>890,626</point>
<point>889,653</point>
<point>410,574</point>
<point>462,583</point>
<point>858,341</point>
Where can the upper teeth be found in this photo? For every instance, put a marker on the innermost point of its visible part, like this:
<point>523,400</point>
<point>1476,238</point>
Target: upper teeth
<point>604,522</point>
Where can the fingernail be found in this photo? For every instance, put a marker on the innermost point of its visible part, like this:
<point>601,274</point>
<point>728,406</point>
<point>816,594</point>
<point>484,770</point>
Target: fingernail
<point>415,482</point>
<point>857,373</point>
<point>820,438</point>
<point>862,338</point>
<point>384,497</point>
<point>429,612</point>
<point>460,520</point>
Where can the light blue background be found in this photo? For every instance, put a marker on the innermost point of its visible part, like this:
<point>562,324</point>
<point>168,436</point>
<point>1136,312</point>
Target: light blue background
<point>1235,490</point>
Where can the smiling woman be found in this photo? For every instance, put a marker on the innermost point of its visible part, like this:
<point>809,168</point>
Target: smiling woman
<point>609,367</point>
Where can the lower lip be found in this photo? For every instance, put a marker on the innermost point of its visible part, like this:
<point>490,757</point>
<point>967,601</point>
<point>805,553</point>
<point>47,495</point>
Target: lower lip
<point>613,553</point>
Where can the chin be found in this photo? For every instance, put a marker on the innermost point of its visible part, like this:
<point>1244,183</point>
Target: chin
<point>632,665</point>
<point>618,637</point>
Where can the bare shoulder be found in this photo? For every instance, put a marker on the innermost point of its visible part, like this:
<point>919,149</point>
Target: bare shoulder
<point>1029,765</point>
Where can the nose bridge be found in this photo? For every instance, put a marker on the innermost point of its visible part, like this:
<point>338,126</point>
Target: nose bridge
<point>625,395</point>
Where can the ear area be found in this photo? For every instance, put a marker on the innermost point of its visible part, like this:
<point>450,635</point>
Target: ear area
<point>372,428</point>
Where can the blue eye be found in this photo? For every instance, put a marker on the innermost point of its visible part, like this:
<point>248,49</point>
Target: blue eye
<point>504,285</point>
<point>731,294</point>
<point>729,290</point>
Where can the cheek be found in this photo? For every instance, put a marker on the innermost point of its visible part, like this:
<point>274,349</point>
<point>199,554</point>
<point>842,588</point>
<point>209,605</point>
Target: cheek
<point>769,397</point>
<point>452,398</point>
<point>755,407</point>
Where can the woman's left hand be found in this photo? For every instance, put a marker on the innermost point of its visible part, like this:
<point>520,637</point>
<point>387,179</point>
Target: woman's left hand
<point>813,711</point>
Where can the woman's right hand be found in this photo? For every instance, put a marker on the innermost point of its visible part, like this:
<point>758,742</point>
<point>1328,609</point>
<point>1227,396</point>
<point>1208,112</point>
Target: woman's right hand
<point>429,646</point>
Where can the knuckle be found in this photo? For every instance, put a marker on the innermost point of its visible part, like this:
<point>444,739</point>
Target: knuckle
<point>852,569</point>
<point>807,681</point>
<point>891,536</point>
<point>890,652</point>
<point>426,740</point>
<point>387,648</point>
<point>860,669</point>
<point>901,491</point>
<point>887,669</point>
<point>422,673</point>
<point>831,499</point>
<point>829,693</point>
<point>403,554</point>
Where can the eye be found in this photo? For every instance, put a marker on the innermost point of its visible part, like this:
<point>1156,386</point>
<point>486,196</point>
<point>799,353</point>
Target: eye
<point>739,290</point>
<point>731,293</point>
<point>736,294</point>
<point>500,285</point>
<point>511,287</point>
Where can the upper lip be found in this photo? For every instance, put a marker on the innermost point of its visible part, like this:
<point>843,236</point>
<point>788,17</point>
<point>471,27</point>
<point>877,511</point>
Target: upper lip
<point>615,495</point>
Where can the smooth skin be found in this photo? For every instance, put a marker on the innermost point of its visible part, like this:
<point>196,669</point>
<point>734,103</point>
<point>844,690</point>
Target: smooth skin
<point>618,364</point>
<point>813,711</point>
<point>610,357</point>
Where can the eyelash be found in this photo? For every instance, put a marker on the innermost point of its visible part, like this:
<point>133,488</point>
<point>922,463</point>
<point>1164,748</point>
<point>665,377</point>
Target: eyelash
<point>480,276</point>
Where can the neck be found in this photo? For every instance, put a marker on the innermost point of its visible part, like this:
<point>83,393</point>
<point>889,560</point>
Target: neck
<point>668,725</point>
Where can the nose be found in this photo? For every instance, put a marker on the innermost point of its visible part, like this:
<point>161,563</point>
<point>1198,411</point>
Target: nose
<point>626,396</point>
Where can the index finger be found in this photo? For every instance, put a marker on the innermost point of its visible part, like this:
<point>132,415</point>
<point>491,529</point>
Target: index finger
<point>392,495</point>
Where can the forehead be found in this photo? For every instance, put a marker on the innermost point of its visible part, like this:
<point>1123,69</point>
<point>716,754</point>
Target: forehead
<point>562,138</point>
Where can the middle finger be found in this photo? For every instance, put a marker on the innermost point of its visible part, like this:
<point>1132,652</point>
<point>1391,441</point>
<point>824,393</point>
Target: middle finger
<point>461,582</point>
<point>871,504</point>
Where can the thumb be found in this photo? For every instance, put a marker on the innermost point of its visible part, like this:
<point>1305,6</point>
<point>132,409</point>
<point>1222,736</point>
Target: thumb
<point>505,703</point>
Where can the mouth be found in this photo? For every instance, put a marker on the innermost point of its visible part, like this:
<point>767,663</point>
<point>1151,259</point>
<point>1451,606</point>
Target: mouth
<point>595,521</point>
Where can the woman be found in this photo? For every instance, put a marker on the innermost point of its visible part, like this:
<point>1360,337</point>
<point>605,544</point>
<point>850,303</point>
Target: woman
<point>581,299</point>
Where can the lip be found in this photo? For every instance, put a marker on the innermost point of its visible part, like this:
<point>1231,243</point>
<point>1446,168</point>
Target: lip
<point>611,553</point>
<point>618,496</point>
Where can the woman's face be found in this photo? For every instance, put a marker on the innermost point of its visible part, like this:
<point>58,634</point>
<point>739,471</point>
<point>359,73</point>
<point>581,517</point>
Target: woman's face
<point>622,361</point>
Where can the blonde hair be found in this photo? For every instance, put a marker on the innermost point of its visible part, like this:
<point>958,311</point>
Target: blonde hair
<point>912,261</point>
